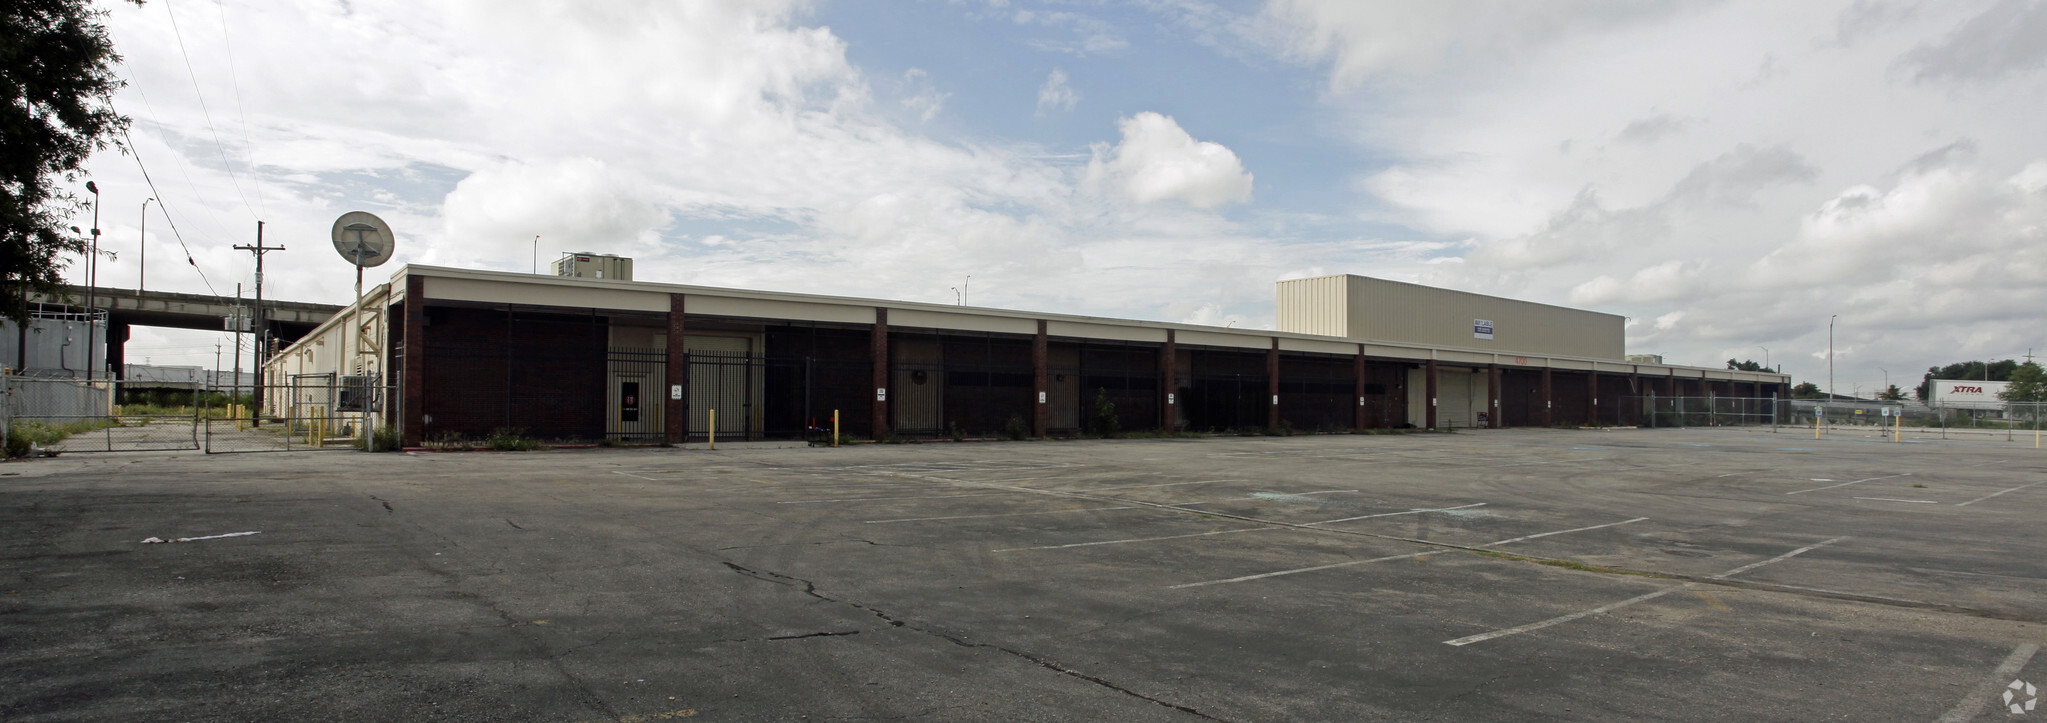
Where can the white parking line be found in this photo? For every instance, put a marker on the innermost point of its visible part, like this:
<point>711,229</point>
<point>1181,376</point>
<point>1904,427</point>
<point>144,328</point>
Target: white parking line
<point>1779,558</point>
<point>1559,620</point>
<point>1894,499</point>
<point>917,497</point>
<point>1845,484</point>
<point>1986,693</point>
<point>1610,607</point>
<point>1140,539</point>
<point>1559,532</point>
<point>1270,496</point>
<point>1227,532</point>
<point>1999,492</point>
<point>1391,514</point>
<point>1167,484</point>
<point>1004,514</point>
<point>1332,566</point>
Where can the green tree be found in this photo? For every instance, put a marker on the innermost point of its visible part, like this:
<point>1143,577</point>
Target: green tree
<point>56,74</point>
<point>2028,384</point>
<point>1893,394</point>
<point>1746,365</point>
<point>1806,390</point>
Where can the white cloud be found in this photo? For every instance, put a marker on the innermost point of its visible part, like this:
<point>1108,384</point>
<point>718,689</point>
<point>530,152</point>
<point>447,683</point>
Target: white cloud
<point>920,96</point>
<point>1737,171</point>
<point>1055,94</point>
<point>1158,161</point>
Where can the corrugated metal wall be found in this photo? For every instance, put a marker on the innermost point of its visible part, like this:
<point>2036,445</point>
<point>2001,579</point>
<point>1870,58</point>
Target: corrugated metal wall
<point>1361,307</point>
<point>1315,306</point>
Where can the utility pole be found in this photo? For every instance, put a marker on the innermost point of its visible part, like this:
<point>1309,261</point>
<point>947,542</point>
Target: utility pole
<point>262,325</point>
<point>237,384</point>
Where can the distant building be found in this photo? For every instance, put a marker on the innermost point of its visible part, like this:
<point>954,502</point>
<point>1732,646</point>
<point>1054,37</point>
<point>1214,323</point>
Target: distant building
<point>1646,358</point>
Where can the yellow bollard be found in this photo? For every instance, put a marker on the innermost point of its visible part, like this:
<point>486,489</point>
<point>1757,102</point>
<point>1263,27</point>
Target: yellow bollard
<point>835,429</point>
<point>714,428</point>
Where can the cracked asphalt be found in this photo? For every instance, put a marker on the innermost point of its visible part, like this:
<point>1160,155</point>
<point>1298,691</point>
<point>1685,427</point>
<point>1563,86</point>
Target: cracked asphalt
<point>1509,575</point>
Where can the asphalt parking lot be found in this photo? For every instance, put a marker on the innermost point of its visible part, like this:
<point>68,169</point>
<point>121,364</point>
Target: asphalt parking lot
<point>1509,575</point>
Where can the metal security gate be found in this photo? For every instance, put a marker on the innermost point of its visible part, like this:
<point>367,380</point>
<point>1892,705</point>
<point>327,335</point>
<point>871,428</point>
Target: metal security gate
<point>635,394</point>
<point>754,397</point>
<point>71,415</point>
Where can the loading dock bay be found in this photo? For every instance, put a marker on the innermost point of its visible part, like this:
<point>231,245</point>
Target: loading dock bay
<point>1505,575</point>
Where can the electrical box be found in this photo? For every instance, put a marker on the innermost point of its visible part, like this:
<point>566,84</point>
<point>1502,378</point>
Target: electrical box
<point>585,265</point>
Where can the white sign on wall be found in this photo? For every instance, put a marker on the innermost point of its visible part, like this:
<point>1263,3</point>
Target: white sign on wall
<point>1482,329</point>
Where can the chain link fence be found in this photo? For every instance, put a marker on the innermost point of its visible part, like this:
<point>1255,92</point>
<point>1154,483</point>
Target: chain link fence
<point>42,415</point>
<point>1897,420</point>
<point>306,412</point>
<point>1711,411</point>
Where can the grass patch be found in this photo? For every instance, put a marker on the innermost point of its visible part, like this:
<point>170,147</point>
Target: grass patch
<point>508,439</point>
<point>25,432</point>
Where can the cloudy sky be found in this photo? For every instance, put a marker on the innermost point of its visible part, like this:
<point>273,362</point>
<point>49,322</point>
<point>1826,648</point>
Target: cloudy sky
<point>1728,175</point>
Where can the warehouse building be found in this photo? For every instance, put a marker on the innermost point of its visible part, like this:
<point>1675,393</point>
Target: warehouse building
<point>466,352</point>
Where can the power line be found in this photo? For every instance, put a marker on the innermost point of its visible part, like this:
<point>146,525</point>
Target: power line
<point>248,144</point>
<point>208,114</point>
<point>137,154</point>
<point>135,81</point>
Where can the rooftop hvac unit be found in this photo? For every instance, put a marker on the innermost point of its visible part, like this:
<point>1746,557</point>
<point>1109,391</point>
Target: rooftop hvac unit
<point>357,391</point>
<point>585,265</point>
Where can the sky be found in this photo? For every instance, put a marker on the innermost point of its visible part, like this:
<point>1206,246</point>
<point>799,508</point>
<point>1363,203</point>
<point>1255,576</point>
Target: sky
<point>1738,179</point>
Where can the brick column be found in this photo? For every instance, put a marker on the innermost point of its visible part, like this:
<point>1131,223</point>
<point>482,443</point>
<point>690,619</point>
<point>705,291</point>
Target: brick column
<point>1272,385</point>
<point>675,413</point>
<point>1169,358</point>
<point>1492,393</point>
<point>1041,412</point>
<point>1357,371</point>
<point>877,351</point>
<point>1549,418</point>
<point>412,397</point>
<point>1429,390</point>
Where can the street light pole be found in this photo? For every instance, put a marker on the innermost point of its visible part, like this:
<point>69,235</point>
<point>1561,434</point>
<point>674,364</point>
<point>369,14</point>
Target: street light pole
<point>142,246</point>
<point>92,265</point>
<point>1766,355</point>
<point>1830,356</point>
<point>1887,381</point>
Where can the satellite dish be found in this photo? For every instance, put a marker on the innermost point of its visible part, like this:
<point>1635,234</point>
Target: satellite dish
<point>363,239</point>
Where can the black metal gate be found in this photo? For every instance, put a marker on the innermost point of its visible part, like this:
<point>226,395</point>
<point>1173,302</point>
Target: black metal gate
<point>755,397</point>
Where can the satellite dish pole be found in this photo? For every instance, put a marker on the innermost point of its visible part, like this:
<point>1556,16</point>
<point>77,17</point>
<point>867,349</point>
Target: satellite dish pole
<point>363,240</point>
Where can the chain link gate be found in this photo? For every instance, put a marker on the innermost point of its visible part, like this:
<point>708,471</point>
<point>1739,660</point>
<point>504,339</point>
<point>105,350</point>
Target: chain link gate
<point>308,412</point>
<point>109,415</point>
